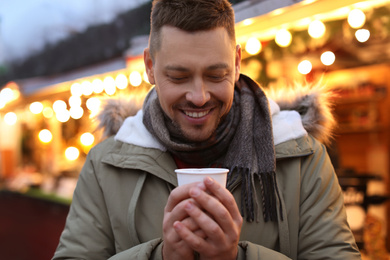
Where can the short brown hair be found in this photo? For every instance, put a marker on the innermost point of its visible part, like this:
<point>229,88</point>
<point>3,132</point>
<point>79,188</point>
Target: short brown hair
<point>191,16</point>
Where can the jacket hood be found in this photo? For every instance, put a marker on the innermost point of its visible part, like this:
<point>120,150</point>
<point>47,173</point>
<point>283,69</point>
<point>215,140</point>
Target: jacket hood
<point>311,102</point>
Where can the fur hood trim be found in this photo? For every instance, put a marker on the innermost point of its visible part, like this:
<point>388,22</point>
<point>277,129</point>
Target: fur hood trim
<point>312,102</point>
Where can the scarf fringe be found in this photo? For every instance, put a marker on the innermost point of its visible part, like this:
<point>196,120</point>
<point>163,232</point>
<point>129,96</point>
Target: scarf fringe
<point>249,200</point>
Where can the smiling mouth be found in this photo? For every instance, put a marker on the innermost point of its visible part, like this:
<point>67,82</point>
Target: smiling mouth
<point>196,114</point>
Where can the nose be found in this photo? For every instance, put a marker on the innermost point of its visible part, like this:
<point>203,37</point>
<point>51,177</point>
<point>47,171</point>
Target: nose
<point>198,93</point>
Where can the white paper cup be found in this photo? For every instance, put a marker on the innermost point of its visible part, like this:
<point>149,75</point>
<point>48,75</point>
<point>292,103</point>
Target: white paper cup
<point>190,175</point>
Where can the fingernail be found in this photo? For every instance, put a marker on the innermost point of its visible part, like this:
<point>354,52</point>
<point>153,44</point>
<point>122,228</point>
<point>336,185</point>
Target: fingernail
<point>209,180</point>
<point>194,192</point>
<point>189,205</point>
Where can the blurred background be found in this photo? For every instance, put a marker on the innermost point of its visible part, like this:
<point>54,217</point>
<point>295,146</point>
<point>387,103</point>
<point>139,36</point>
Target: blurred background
<point>61,60</point>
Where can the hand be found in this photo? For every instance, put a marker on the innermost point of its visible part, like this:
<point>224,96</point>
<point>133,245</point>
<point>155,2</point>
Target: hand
<point>174,247</point>
<point>216,213</point>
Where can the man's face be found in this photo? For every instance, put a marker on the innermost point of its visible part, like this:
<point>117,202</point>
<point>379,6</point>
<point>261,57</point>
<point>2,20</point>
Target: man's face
<point>194,76</point>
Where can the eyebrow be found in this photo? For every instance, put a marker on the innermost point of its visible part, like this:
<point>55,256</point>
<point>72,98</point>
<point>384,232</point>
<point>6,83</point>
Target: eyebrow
<point>184,69</point>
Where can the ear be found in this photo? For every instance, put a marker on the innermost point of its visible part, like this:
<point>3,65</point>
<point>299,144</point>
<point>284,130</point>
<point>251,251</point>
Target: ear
<point>238,62</point>
<point>149,66</point>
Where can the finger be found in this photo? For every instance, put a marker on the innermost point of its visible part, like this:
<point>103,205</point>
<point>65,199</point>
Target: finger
<point>205,222</point>
<point>178,194</point>
<point>224,196</point>
<point>197,243</point>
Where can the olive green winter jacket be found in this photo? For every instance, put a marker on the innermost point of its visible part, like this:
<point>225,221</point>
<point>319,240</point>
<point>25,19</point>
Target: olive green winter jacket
<point>118,204</point>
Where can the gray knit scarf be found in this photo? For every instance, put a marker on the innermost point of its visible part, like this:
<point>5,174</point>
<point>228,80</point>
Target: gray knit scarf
<point>243,143</point>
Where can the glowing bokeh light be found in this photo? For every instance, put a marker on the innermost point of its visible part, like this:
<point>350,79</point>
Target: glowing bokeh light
<point>45,136</point>
<point>328,58</point>
<point>356,18</point>
<point>304,67</point>
<point>76,112</point>
<point>72,153</point>
<point>253,46</point>
<point>59,105</point>
<point>362,35</point>
<point>10,118</point>
<point>98,86</point>
<point>283,38</point>
<point>76,89</point>
<point>36,107</point>
<point>87,139</point>
<point>135,78</point>
<point>109,85</point>
<point>48,112</point>
<point>121,81</point>
<point>316,29</point>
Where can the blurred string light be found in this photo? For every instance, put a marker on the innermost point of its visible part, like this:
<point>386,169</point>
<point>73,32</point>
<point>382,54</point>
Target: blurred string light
<point>48,112</point>
<point>76,112</point>
<point>10,118</point>
<point>328,58</point>
<point>362,35</point>
<point>109,85</point>
<point>304,67</point>
<point>87,88</point>
<point>253,46</point>
<point>59,105</point>
<point>36,107</point>
<point>135,79</point>
<point>97,85</point>
<point>76,89</point>
<point>283,38</point>
<point>93,104</point>
<point>45,136</point>
<point>63,115</point>
<point>87,139</point>
<point>356,18</point>
<point>121,81</point>
<point>316,29</point>
<point>72,153</point>
<point>74,101</point>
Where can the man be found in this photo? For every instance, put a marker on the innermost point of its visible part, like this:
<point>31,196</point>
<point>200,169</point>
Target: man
<point>282,199</point>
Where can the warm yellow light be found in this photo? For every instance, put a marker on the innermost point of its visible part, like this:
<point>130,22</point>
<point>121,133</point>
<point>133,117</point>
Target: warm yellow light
<point>7,95</point>
<point>247,22</point>
<point>356,18</point>
<point>72,153</point>
<point>59,105</point>
<point>316,29</point>
<point>253,46</point>
<point>76,89</point>
<point>48,112</point>
<point>63,116</point>
<point>304,67</point>
<point>45,136</point>
<point>109,85</point>
<point>135,78</point>
<point>283,38</point>
<point>362,35</point>
<point>93,104</point>
<point>2,103</point>
<point>36,107</point>
<point>328,58</point>
<point>87,139</point>
<point>97,85</point>
<point>87,88</point>
<point>74,101</point>
<point>76,112</point>
<point>10,118</point>
<point>146,79</point>
<point>121,81</point>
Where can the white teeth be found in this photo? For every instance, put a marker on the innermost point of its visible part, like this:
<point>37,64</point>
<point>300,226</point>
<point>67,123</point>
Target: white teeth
<point>196,114</point>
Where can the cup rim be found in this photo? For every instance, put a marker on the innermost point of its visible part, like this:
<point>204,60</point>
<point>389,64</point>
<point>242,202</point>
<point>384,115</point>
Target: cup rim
<point>200,171</point>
